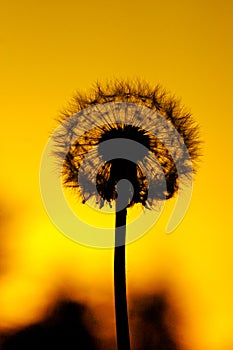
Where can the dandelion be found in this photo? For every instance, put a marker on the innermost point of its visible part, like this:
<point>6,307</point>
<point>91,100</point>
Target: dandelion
<point>125,111</point>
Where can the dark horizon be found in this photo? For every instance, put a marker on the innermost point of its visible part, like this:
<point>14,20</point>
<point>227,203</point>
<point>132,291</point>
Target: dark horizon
<point>69,324</point>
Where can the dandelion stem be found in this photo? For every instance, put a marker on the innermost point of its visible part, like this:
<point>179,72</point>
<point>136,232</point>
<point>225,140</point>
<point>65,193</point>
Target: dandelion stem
<point>122,326</point>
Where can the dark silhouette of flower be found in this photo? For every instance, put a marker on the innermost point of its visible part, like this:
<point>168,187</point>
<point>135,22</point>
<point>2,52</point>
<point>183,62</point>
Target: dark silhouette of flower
<point>169,147</point>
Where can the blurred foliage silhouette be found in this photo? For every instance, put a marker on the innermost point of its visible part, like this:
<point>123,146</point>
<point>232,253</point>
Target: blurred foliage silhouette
<point>153,322</point>
<point>70,326</point>
<point>64,328</point>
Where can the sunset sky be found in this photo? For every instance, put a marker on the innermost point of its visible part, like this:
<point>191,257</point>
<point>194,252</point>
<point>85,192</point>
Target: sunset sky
<point>51,49</point>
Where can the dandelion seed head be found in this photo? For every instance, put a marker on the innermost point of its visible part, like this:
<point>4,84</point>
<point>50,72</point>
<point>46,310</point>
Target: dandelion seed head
<point>124,110</point>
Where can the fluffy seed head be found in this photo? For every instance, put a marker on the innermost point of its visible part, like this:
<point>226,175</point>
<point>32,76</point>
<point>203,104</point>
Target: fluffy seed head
<point>117,114</point>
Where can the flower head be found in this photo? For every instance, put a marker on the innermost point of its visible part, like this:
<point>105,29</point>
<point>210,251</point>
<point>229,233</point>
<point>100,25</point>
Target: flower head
<point>141,114</point>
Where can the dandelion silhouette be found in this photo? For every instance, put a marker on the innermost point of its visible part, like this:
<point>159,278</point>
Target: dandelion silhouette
<point>137,147</point>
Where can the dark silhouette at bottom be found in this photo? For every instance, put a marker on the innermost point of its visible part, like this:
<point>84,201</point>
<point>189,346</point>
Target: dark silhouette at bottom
<point>64,328</point>
<point>152,327</point>
<point>68,326</point>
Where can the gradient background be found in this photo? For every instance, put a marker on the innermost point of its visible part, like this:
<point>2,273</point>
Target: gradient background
<point>49,50</point>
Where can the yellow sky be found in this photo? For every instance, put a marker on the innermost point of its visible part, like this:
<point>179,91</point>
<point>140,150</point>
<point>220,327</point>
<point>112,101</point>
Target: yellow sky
<point>49,50</point>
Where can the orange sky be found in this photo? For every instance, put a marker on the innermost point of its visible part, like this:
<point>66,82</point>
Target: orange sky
<point>49,50</point>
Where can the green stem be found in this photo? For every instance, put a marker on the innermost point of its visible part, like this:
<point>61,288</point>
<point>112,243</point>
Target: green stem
<point>122,326</point>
